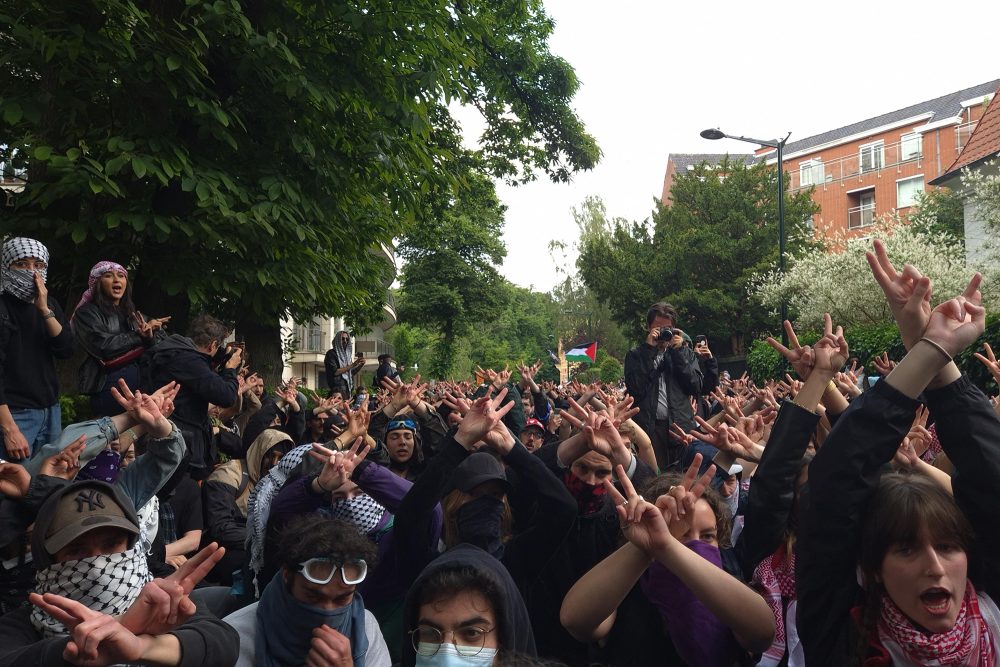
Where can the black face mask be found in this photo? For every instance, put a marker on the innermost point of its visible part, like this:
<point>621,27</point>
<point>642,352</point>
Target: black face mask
<point>480,523</point>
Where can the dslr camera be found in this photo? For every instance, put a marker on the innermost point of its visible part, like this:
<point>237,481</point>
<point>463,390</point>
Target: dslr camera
<point>666,333</point>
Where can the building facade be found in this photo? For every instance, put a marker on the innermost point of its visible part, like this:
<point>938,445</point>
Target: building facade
<point>877,166</point>
<point>311,340</point>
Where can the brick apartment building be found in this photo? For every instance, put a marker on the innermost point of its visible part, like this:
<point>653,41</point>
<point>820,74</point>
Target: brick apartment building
<point>872,167</point>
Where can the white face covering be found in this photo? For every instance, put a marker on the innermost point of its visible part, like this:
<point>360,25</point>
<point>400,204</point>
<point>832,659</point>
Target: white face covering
<point>21,282</point>
<point>448,656</point>
<point>108,584</point>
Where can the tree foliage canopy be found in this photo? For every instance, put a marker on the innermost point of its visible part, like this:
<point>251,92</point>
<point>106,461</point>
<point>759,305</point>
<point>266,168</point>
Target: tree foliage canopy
<point>719,228</point>
<point>245,156</point>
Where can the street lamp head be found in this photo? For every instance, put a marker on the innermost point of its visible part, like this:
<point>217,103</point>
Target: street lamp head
<point>712,134</point>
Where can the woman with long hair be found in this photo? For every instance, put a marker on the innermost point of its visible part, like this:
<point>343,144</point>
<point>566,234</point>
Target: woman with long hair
<point>892,570</point>
<point>113,333</point>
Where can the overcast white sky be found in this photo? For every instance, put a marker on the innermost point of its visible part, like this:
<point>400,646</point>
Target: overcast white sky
<point>654,74</point>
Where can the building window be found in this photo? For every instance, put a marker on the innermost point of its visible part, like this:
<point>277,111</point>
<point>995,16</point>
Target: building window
<point>907,191</point>
<point>872,156</point>
<point>862,210</point>
<point>911,146</point>
<point>811,173</point>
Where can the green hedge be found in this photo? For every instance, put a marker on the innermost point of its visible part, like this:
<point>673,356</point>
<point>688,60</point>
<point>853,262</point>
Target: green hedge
<point>764,363</point>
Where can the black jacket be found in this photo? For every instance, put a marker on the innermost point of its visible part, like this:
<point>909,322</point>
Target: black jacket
<point>842,480</point>
<point>177,358</point>
<point>28,376</point>
<point>682,372</point>
<point>104,335</point>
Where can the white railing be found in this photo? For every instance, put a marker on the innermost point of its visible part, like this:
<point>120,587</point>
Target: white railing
<point>871,159</point>
<point>860,216</point>
<point>962,134</point>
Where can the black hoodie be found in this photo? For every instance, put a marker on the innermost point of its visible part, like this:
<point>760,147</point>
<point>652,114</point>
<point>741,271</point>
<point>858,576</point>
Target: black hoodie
<point>514,633</point>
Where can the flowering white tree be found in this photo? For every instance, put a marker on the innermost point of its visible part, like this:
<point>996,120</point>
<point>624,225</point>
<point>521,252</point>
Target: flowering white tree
<point>982,186</point>
<point>836,279</point>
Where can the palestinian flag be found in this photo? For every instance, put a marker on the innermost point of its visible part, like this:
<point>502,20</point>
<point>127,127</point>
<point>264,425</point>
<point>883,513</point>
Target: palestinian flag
<point>586,353</point>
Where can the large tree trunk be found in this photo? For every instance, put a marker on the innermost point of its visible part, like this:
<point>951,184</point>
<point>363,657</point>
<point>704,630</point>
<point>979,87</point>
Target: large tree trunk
<point>263,340</point>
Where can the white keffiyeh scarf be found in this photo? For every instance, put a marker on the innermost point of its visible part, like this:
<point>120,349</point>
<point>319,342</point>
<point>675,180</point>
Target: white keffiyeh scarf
<point>259,505</point>
<point>362,511</point>
<point>20,282</point>
<point>108,584</point>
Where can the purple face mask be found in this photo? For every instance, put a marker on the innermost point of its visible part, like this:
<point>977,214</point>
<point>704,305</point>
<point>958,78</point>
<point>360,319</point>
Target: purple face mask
<point>104,467</point>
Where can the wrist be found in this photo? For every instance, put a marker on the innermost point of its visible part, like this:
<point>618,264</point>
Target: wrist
<point>162,649</point>
<point>161,429</point>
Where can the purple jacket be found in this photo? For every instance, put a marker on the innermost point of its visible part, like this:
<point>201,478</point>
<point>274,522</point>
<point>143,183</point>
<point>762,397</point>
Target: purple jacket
<point>388,581</point>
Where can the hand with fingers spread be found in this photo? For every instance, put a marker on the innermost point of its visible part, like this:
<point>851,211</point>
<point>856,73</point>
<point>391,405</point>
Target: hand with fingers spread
<point>908,294</point>
<point>414,393</point>
<point>484,414</point>
<point>883,364</point>
<point>357,421</point>
<point>678,434</point>
<point>66,463</point>
<point>642,522</point>
<point>957,323</point>
<point>990,361</point>
<point>604,438</point>
<point>799,356</point>
<point>144,409</point>
<point>678,504</point>
<point>337,466</point>
<point>96,639</point>
<point>164,604</point>
<point>457,402</point>
<point>830,352</point>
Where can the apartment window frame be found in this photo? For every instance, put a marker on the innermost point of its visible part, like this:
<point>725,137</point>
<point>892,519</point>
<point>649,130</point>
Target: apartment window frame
<point>865,209</point>
<point>915,177</point>
<point>875,148</point>
<point>815,170</point>
<point>912,138</point>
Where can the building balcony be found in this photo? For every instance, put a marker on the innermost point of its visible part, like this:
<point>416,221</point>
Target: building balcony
<point>962,134</point>
<point>860,216</point>
<point>388,313</point>
<point>871,159</point>
<point>388,254</point>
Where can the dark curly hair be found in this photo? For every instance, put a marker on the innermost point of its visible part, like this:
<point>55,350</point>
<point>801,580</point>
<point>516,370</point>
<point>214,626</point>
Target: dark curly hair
<point>317,536</point>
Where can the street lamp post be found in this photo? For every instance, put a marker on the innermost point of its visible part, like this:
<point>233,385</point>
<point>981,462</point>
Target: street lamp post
<point>779,145</point>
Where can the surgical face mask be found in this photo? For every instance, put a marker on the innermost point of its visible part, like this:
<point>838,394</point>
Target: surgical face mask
<point>448,656</point>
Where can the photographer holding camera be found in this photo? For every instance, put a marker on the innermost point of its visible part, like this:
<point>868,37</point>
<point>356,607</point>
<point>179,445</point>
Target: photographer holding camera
<point>662,374</point>
<point>206,369</point>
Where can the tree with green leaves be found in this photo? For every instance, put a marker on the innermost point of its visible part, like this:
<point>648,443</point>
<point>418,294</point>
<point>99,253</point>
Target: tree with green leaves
<point>700,252</point>
<point>244,157</point>
<point>939,210</point>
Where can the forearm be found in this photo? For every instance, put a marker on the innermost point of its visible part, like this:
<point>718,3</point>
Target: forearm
<point>184,545</point>
<point>571,449</point>
<point>597,595</point>
<point>643,445</point>
<point>923,365</point>
<point>162,650</point>
<point>813,390</point>
<point>7,423</point>
<point>736,605</point>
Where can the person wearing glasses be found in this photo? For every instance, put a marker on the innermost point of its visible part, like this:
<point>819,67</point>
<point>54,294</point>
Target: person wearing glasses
<point>33,333</point>
<point>311,613</point>
<point>464,609</point>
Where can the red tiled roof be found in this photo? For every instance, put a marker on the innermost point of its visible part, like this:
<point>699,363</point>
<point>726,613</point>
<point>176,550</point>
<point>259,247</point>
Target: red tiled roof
<point>985,139</point>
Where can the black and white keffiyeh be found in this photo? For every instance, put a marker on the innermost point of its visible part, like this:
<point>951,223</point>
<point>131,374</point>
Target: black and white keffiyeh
<point>362,511</point>
<point>108,584</point>
<point>259,504</point>
<point>344,358</point>
<point>20,282</point>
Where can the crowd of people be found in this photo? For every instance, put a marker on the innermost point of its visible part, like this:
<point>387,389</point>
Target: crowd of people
<point>685,518</point>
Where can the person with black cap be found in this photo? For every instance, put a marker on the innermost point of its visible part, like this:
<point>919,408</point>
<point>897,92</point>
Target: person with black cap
<point>93,600</point>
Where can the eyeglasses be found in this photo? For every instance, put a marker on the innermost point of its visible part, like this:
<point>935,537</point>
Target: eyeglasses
<point>29,264</point>
<point>468,639</point>
<point>321,571</point>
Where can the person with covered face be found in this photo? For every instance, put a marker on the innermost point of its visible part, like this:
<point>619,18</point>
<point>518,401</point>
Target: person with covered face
<point>311,612</point>
<point>114,334</point>
<point>94,601</point>
<point>350,487</point>
<point>33,334</point>
<point>340,364</point>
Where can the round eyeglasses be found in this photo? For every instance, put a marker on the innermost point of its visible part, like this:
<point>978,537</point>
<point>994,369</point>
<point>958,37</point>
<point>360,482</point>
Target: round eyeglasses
<point>321,571</point>
<point>468,639</point>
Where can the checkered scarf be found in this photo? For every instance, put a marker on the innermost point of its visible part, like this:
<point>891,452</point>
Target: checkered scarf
<point>969,642</point>
<point>259,505</point>
<point>108,584</point>
<point>19,282</point>
<point>362,511</point>
<point>774,579</point>
<point>95,274</point>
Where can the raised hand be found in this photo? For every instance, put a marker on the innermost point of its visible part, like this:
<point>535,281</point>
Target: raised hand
<point>957,323</point>
<point>884,365</point>
<point>799,356</point>
<point>164,604</point>
<point>338,466</point>
<point>642,522</point>
<point>830,352</point>
<point>143,409</point>
<point>457,402</point>
<point>415,392</point>
<point>604,438</point>
<point>678,503</point>
<point>65,464</point>
<point>908,294</point>
<point>481,418</point>
<point>357,421</point>
<point>96,639</point>
<point>990,361</point>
